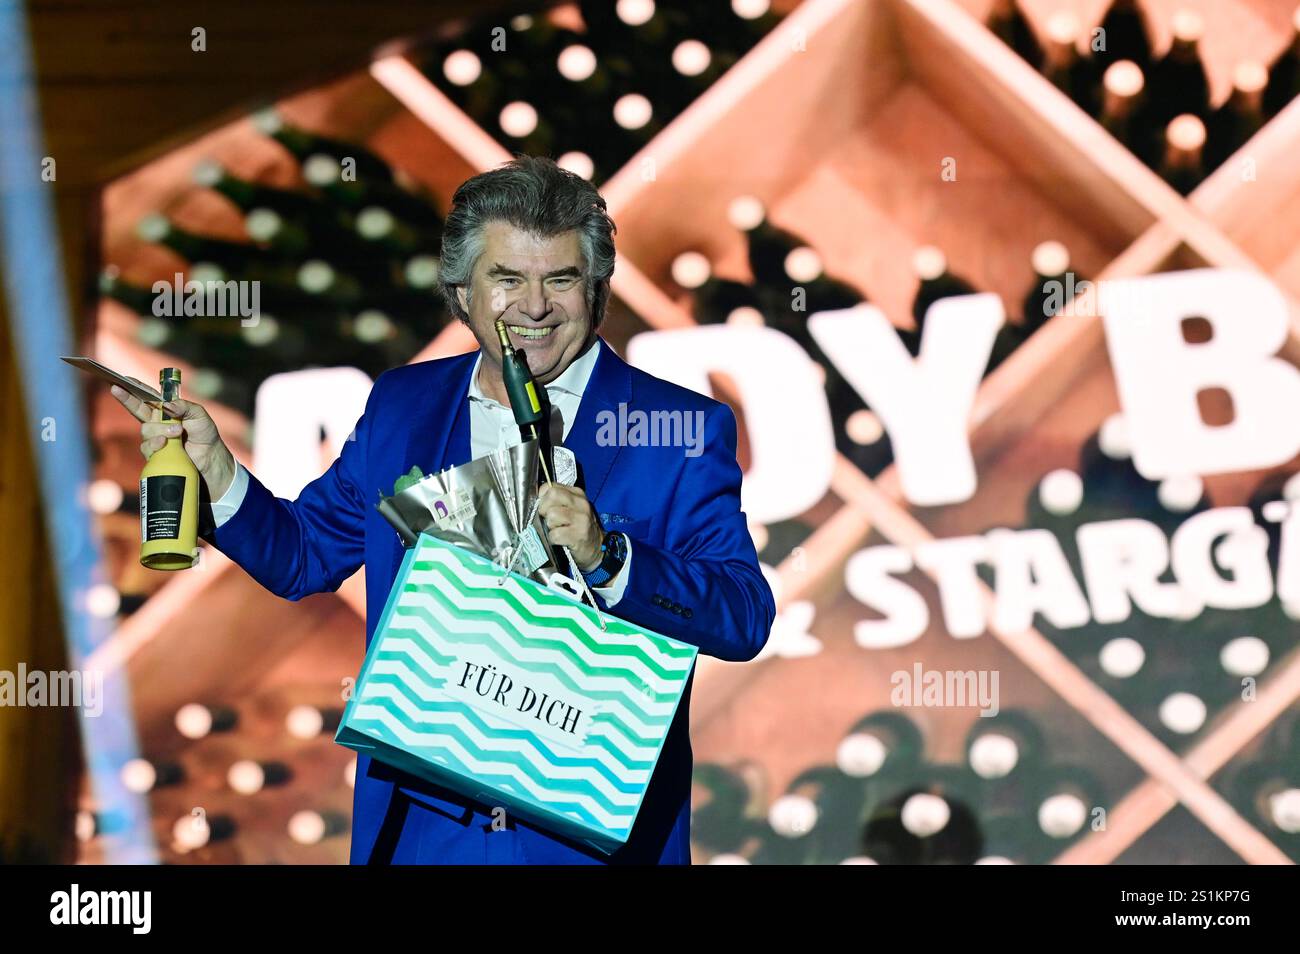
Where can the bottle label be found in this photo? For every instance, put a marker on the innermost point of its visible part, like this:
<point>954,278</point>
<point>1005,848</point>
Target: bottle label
<point>161,499</point>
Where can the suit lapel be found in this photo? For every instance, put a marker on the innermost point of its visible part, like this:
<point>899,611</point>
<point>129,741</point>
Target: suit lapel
<point>610,384</point>
<point>439,434</point>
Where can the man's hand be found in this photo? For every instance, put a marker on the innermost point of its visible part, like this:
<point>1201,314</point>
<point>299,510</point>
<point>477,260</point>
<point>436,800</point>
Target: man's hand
<point>571,522</point>
<point>201,441</point>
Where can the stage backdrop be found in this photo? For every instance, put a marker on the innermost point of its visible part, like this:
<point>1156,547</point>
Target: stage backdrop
<point>1003,297</point>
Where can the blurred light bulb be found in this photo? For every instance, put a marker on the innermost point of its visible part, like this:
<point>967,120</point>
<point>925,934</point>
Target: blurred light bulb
<point>374,222</point>
<point>262,333</point>
<point>579,163</point>
<point>84,827</point>
<point>803,264</point>
<point>322,170</point>
<point>635,12</point>
<point>750,9</point>
<point>691,269</point>
<point>104,496</point>
<point>372,326</point>
<point>864,427</point>
<point>1183,713</point>
<point>103,600</point>
<point>1061,492</point>
<point>316,276</point>
<point>745,317</point>
<point>1180,494</point>
<point>304,722</point>
<point>246,777</point>
<point>632,111</point>
<point>929,262</point>
<point>1113,439</point>
<point>1284,809</point>
<point>422,271</point>
<point>1122,657</point>
<point>576,62</point>
<point>307,827</point>
<point>691,57</point>
<point>518,119</point>
<point>194,721</point>
<point>462,67</point>
<point>1245,656</point>
<point>861,755</point>
<point>191,831</point>
<point>994,755</point>
<point>925,814</point>
<point>139,776</point>
<point>1060,816</point>
<point>792,815</point>
<point>746,212</point>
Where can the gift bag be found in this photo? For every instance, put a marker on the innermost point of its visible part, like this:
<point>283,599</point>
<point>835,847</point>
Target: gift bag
<point>513,695</point>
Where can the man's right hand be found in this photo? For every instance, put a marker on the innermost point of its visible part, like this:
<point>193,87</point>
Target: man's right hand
<point>215,463</point>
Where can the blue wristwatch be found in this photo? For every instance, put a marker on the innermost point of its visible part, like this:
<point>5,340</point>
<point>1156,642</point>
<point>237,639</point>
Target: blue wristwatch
<point>614,549</point>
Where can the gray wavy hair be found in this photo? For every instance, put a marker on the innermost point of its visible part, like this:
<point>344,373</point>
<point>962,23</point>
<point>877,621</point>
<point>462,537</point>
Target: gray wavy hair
<point>534,194</point>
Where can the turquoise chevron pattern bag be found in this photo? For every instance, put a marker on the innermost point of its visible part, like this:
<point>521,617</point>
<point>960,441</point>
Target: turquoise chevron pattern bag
<point>513,695</point>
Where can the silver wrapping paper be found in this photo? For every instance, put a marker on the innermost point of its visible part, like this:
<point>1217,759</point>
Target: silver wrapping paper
<point>478,506</point>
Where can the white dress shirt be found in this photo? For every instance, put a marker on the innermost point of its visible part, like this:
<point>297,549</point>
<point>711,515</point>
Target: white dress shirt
<point>492,428</point>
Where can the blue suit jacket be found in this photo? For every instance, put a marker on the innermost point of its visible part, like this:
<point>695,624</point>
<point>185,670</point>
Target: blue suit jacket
<point>694,573</point>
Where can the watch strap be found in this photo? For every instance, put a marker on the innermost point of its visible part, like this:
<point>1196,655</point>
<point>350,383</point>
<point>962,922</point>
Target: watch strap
<point>614,549</point>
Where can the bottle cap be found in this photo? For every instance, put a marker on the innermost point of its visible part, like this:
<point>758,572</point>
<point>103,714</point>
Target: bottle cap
<point>504,336</point>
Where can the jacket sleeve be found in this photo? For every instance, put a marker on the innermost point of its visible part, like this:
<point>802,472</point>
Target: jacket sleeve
<point>704,586</point>
<point>295,548</point>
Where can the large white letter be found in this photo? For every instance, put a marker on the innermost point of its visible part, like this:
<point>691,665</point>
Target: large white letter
<point>952,563</point>
<point>792,446</point>
<point>1158,373</point>
<point>291,410</point>
<point>1033,576</point>
<point>924,404</point>
<point>1243,552</point>
<point>867,578</point>
<point>1123,558</point>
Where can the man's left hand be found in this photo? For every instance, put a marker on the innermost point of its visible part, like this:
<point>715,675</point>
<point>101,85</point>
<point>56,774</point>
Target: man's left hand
<point>571,522</point>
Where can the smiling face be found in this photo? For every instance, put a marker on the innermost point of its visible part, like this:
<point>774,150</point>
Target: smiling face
<point>538,285</point>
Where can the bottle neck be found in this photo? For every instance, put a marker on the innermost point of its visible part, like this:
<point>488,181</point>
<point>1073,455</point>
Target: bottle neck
<point>171,391</point>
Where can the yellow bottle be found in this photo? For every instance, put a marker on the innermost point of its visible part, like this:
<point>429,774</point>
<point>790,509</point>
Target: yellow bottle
<point>169,497</point>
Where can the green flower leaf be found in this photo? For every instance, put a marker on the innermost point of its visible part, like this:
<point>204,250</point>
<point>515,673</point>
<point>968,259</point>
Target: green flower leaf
<point>409,479</point>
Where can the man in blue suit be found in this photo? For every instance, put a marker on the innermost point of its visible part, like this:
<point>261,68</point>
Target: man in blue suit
<point>655,527</point>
